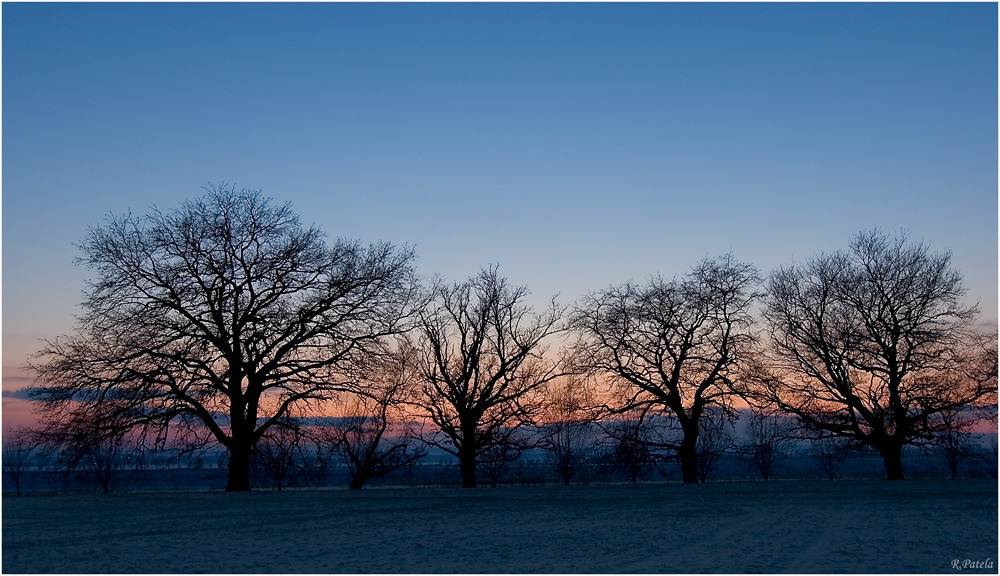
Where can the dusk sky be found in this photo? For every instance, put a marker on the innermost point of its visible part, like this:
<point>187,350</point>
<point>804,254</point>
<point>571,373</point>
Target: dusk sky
<point>576,145</point>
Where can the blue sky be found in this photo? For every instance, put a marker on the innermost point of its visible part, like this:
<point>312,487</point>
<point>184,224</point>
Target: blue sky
<point>577,145</point>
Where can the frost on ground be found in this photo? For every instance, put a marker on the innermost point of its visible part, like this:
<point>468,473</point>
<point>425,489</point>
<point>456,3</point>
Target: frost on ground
<point>792,526</point>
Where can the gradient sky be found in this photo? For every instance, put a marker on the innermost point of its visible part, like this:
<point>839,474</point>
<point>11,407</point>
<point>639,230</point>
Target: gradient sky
<point>577,145</point>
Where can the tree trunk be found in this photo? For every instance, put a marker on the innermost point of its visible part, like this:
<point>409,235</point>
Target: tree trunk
<point>952,455</point>
<point>467,462</point>
<point>239,469</point>
<point>104,477</point>
<point>892,456</point>
<point>242,422</point>
<point>361,476</point>
<point>688,455</point>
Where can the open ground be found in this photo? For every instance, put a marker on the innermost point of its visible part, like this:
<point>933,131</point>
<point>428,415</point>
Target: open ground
<point>857,526</point>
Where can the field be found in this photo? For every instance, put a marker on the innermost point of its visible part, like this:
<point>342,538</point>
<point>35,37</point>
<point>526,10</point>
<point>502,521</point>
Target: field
<point>792,526</point>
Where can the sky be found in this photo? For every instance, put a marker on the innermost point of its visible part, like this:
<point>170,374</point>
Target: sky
<point>578,146</point>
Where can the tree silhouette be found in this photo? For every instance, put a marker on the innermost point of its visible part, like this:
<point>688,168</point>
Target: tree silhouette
<point>767,433</point>
<point>676,346</point>
<point>715,438</point>
<point>953,441</point>
<point>223,315</point>
<point>495,460</point>
<point>96,444</point>
<point>566,437</point>
<point>628,443</point>
<point>830,452</point>
<point>18,446</point>
<point>567,446</point>
<point>874,344</point>
<point>992,456</point>
<point>278,454</point>
<point>108,457</point>
<point>373,437</point>
<point>482,365</point>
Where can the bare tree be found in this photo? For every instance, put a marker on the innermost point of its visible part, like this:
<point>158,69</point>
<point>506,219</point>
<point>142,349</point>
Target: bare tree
<point>715,438</point>
<point>374,438</point>
<point>225,310</point>
<point>482,365</point>
<point>676,345</point>
<point>953,441</point>
<point>874,343</point>
<point>767,432</point>
<point>110,456</point>
<point>369,453</point>
<point>567,444</point>
<point>629,446</point>
<point>18,446</point>
<point>278,454</point>
<point>566,437</point>
<point>830,452</point>
<point>317,455</point>
<point>99,447</point>
<point>495,460</point>
<point>993,451</point>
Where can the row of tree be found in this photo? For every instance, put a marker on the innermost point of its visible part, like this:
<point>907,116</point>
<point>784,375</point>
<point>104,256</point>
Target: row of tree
<point>225,321</point>
<point>355,450</point>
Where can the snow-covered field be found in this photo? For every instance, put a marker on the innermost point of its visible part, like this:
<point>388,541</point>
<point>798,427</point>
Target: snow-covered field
<point>791,526</point>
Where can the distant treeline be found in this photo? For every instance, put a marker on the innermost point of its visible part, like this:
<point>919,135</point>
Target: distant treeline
<point>600,461</point>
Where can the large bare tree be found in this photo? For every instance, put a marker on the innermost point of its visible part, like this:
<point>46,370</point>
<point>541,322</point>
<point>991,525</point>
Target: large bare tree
<point>221,315</point>
<point>874,344</point>
<point>482,365</point>
<point>674,346</point>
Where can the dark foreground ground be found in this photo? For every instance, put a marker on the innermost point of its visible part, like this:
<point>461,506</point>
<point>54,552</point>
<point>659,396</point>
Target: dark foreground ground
<point>915,526</point>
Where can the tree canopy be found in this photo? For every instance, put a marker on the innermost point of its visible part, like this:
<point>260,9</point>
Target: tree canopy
<point>674,346</point>
<point>482,365</point>
<point>224,314</point>
<point>874,344</point>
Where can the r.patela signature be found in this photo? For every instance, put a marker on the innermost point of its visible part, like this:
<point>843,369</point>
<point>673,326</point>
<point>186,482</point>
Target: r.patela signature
<point>972,564</point>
